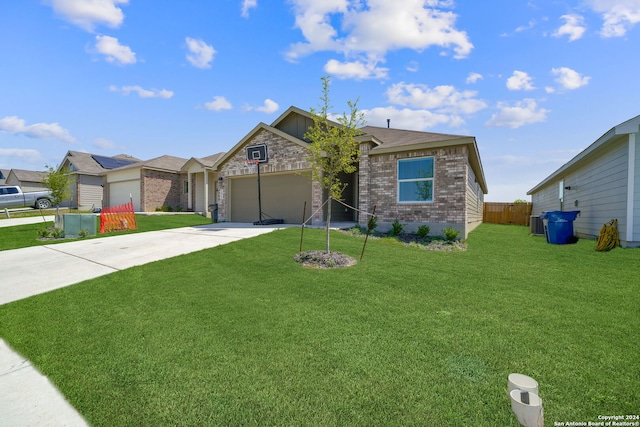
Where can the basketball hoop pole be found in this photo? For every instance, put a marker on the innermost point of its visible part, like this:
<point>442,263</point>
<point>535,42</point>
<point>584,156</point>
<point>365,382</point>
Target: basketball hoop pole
<point>257,164</point>
<point>259,195</point>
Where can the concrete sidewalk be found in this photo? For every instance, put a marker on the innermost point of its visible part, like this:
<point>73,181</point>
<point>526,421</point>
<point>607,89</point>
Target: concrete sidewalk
<point>27,398</point>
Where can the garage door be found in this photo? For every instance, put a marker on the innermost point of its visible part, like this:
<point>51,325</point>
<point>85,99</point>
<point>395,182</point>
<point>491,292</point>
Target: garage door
<point>119,193</point>
<point>283,197</point>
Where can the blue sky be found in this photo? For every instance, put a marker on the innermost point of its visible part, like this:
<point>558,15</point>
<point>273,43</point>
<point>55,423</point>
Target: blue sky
<point>534,81</point>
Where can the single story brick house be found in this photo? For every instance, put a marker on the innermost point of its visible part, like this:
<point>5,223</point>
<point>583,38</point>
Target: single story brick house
<point>414,177</point>
<point>150,184</point>
<point>602,182</point>
<point>86,171</point>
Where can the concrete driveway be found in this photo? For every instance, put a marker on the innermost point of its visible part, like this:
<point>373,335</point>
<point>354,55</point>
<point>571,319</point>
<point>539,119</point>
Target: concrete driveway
<point>27,398</point>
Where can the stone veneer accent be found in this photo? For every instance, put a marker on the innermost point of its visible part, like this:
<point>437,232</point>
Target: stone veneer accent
<point>284,156</point>
<point>162,189</point>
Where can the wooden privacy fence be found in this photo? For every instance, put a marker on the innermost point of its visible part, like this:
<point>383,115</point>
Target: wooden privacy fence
<point>507,213</point>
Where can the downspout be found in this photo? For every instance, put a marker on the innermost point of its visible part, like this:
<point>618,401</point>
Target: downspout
<point>206,191</point>
<point>189,191</point>
<point>631,168</point>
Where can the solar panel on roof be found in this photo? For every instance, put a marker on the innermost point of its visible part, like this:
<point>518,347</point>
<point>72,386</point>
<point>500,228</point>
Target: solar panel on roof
<point>111,162</point>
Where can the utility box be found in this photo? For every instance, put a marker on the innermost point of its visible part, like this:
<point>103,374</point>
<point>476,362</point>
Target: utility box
<point>73,224</point>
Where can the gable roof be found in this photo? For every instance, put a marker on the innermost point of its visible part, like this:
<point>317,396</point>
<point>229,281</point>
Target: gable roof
<point>163,163</point>
<point>87,163</point>
<point>261,126</point>
<point>205,162</point>
<point>390,140</point>
<point>612,135</point>
<point>23,175</point>
<point>4,173</point>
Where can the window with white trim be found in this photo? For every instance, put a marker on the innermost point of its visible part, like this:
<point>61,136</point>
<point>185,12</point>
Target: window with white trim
<point>415,180</point>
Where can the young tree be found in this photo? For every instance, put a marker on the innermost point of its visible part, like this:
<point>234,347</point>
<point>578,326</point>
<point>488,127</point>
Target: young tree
<point>58,181</point>
<point>333,148</point>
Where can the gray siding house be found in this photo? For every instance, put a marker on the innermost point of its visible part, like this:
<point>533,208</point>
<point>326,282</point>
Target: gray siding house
<point>86,171</point>
<point>27,180</point>
<point>602,182</point>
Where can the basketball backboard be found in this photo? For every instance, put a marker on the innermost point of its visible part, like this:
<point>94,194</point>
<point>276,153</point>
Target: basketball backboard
<point>258,152</point>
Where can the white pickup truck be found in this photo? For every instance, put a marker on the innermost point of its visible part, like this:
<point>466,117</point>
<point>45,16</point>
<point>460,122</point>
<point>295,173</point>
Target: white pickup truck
<point>11,196</point>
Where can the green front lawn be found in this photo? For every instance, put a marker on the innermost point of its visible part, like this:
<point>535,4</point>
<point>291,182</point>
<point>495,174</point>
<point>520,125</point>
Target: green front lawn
<point>23,236</point>
<point>242,335</point>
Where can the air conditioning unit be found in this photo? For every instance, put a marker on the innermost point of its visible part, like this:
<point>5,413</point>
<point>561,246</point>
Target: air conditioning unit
<point>536,225</point>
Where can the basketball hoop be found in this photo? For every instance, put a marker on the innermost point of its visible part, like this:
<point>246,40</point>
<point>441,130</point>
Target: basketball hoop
<point>251,164</point>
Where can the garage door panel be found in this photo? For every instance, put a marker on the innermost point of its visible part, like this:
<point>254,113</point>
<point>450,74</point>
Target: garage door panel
<point>283,197</point>
<point>122,192</point>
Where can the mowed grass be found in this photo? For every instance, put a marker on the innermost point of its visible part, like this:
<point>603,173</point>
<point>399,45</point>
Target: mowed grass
<point>23,236</point>
<point>242,335</point>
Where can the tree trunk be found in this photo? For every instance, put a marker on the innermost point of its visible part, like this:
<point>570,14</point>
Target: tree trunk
<point>57,221</point>
<point>328,223</point>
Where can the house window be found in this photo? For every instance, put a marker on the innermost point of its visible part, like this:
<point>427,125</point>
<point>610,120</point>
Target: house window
<point>415,180</point>
<point>186,187</point>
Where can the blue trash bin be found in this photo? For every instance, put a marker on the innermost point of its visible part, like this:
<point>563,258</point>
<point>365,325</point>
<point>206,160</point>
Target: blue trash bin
<point>558,226</point>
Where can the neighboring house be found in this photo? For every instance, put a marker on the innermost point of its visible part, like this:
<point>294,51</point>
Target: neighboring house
<point>201,182</point>
<point>3,175</point>
<point>413,177</point>
<point>602,182</point>
<point>149,184</point>
<point>27,180</point>
<point>86,170</point>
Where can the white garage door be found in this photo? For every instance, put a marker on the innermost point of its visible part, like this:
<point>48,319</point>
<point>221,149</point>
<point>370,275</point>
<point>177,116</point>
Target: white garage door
<point>119,193</point>
<point>283,197</point>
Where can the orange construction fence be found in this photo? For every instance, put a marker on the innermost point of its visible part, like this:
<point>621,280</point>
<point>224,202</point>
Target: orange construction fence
<point>118,218</point>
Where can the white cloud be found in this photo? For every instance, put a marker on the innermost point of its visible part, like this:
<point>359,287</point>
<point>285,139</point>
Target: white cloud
<point>87,14</point>
<point>355,70</point>
<point>17,126</point>
<point>143,93</point>
<point>520,80</point>
<point>412,67</point>
<point>522,113</point>
<point>619,16</point>
<point>248,4</point>
<point>269,107</point>
<point>375,28</point>
<point>573,27</point>
<point>201,54</point>
<point>114,51</point>
<point>103,143</point>
<point>25,154</point>
<point>569,79</point>
<point>219,103</point>
<point>474,77</point>
<point>407,118</point>
<point>445,99</point>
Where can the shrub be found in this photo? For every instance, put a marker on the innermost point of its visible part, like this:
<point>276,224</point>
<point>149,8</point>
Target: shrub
<point>356,230</point>
<point>51,233</point>
<point>83,233</point>
<point>423,231</point>
<point>450,234</point>
<point>396,228</point>
<point>44,233</point>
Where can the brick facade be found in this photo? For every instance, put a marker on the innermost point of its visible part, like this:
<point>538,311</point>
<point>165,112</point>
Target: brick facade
<point>162,189</point>
<point>284,156</point>
<point>378,187</point>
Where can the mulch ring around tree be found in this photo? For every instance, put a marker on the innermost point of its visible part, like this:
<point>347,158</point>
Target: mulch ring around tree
<point>322,259</point>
